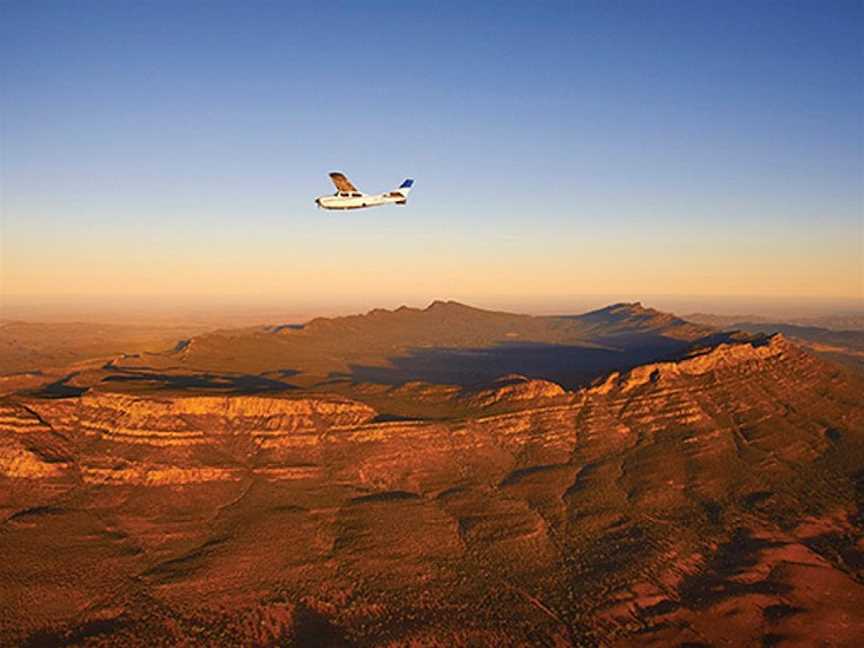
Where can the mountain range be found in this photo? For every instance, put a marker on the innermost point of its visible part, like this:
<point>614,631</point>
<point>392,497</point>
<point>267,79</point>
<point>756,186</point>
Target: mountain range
<point>437,476</point>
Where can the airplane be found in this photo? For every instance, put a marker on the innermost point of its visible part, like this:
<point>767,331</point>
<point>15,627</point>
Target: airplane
<point>348,197</point>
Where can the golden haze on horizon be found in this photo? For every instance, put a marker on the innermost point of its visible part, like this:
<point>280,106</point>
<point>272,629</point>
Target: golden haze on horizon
<point>827,268</point>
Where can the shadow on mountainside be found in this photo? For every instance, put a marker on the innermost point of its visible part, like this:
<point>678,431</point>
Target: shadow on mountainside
<point>60,389</point>
<point>222,383</point>
<point>569,366</point>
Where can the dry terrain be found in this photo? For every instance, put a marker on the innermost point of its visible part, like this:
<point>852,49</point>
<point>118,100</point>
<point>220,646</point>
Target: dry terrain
<point>437,477</point>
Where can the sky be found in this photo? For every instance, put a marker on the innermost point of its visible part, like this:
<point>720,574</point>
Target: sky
<point>170,153</point>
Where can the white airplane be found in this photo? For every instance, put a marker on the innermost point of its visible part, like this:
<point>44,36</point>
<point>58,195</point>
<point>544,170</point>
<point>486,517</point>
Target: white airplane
<point>347,196</point>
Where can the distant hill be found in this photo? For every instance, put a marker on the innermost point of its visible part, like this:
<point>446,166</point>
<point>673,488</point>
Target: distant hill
<point>446,342</point>
<point>30,346</point>
<point>840,322</point>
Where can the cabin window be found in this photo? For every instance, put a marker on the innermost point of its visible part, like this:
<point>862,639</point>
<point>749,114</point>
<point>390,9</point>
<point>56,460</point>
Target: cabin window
<point>355,195</point>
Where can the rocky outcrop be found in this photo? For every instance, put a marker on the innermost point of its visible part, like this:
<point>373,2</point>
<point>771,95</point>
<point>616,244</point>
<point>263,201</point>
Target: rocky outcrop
<point>28,447</point>
<point>149,418</point>
<point>197,435</point>
<point>742,357</point>
<point>514,389</point>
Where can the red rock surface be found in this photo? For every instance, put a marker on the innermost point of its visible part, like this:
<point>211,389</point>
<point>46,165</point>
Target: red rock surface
<point>715,500</point>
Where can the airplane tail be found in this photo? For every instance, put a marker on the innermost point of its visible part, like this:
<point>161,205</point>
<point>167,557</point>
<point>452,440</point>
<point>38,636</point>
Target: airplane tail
<point>403,190</point>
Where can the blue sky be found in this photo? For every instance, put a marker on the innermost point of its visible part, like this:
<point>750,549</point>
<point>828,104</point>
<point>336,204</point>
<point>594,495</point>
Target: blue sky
<point>629,148</point>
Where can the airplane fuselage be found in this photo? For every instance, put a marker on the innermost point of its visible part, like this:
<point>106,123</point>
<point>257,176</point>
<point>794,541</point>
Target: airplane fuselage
<point>357,200</point>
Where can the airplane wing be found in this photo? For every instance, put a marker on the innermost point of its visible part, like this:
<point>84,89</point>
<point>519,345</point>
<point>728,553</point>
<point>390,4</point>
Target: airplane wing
<point>342,183</point>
